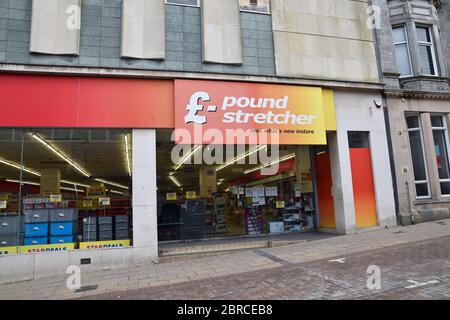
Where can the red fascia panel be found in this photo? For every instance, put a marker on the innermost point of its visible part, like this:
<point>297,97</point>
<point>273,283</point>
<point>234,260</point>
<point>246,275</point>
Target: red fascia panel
<point>66,101</point>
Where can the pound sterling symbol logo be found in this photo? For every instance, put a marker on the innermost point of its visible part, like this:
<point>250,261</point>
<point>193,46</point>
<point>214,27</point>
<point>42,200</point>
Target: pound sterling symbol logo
<point>194,107</point>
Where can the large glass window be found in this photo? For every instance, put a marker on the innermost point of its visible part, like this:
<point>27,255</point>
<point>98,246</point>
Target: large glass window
<point>62,189</point>
<point>441,148</point>
<point>418,157</point>
<point>215,191</point>
<point>402,51</point>
<point>427,60</point>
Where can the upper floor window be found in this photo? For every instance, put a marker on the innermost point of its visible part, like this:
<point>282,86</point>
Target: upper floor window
<point>260,6</point>
<point>402,51</point>
<point>191,3</point>
<point>427,58</point>
<point>424,61</point>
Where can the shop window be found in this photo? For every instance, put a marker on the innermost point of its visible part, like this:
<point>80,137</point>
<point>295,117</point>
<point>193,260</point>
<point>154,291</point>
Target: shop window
<point>418,157</point>
<point>440,136</point>
<point>230,196</point>
<point>402,52</point>
<point>191,3</point>
<point>259,6</point>
<point>61,190</point>
<point>427,56</point>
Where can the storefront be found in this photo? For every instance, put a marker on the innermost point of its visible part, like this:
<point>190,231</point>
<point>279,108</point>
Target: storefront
<point>419,134</point>
<point>111,166</point>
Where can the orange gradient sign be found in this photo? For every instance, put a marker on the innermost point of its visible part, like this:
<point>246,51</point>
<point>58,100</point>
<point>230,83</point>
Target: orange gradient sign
<point>217,112</point>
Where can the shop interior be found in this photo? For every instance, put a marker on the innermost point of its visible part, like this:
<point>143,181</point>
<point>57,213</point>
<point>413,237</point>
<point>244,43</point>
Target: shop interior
<point>65,186</point>
<point>200,200</point>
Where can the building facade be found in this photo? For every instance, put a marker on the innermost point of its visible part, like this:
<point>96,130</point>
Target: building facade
<point>92,91</point>
<point>414,58</point>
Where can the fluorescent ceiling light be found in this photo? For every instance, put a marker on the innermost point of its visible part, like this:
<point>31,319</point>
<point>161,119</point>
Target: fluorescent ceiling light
<point>72,189</point>
<point>127,151</point>
<point>112,183</point>
<point>38,184</point>
<point>175,181</point>
<point>290,156</point>
<point>60,154</point>
<point>245,155</point>
<point>188,156</point>
<point>117,192</point>
<point>75,183</point>
<point>14,165</point>
<point>24,182</point>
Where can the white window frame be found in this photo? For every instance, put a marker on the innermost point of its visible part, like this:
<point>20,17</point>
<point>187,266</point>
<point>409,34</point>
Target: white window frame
<point>183,5</point>
<point>432,47</point>
<point>416,182</point>
<point>407,48</point>
<point>254,11</point>
<point>447,145</point>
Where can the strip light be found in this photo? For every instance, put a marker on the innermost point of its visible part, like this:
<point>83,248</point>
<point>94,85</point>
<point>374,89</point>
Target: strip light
<point>174,180</point>
<point>117,192</point>
<point>75,183</point>
<point>38,184</point>
<point>290,156</point>
<point>11,164</point>
<point>24,182</point>
<point>188,156</point>
<point>112,183</point>
<point>128,153</point>
<point>61,155</point>
<point>245,155</point>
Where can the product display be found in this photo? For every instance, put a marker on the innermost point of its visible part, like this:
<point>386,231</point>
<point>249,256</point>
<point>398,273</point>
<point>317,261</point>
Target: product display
<point>121,227</point>
<point>105,228</point>
<point>36,226</point>
<point>193,219</point>
<point>89,229</point>
<point>10,224</point>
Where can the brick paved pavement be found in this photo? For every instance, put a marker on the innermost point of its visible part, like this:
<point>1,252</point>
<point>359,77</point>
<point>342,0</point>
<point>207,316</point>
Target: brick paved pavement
<point>302,266</point>
<point>321,279</point>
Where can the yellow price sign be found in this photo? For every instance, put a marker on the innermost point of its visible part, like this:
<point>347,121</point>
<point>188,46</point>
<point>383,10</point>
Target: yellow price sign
<point>171,196</point>
<point>3,204</point>
<point>191,195</point>
<point>87,203</point>
<point>55,198</point>
<point>280,204</point>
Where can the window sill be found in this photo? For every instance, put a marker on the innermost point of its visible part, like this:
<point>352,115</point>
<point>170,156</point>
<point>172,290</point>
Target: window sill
<point>432,201</point>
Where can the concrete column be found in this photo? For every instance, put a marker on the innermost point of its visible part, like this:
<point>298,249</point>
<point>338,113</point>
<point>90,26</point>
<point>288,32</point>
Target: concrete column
<point>413,47</point>
<point>342,191</point>
<point>145,229</point>
<point>50,181</point>
<point>208,181</point>
<point>430,155</point>
<point>382,179</point>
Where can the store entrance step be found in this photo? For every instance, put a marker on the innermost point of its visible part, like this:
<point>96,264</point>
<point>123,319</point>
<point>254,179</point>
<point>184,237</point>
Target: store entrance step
<point>175,251</point>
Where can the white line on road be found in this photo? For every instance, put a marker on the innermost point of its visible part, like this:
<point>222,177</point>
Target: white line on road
<point>340,260</point>
<point>416,284</point>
